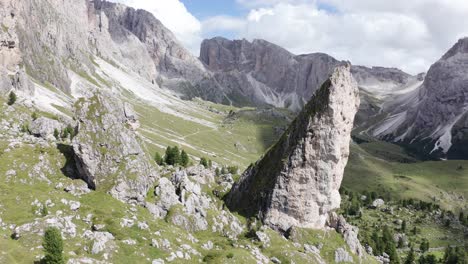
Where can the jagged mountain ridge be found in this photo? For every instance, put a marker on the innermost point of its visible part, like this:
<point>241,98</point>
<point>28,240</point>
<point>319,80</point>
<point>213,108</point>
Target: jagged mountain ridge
<point>119,34</point>
<point>260,72</point>
<point>431,120</point>
<point>232,72</point>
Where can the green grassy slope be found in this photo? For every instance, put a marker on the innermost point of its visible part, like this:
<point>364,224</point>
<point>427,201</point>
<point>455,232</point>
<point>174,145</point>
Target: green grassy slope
<point>441,182</point>
<point>38,179</point>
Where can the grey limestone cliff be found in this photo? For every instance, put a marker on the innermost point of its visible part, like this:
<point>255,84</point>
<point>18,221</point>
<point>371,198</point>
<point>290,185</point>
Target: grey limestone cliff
<point>432,120</point>
<point>296,182</point>
<point>259,72</point>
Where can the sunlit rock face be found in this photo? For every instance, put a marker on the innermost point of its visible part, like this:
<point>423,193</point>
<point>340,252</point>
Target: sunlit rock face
<point>296,182</point>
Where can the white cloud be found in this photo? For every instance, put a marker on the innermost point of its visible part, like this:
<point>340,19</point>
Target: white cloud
<point>408,34</point>
<point>223,23</point>
<point>175,16</point>
<point>266,3</point>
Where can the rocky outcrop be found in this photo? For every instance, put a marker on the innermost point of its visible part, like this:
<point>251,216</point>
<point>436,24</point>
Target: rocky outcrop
<point>349,233</point>
<point>181,201</point>
<point>341,255</point>
<point>432,120</point>
<point>107,153</point>
<point>296,182</point>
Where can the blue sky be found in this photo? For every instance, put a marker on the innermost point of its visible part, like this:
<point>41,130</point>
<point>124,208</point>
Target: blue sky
<point>410,35</point>
<point>203,9</point>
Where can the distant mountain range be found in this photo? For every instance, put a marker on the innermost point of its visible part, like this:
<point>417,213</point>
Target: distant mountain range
<point>426,113</point>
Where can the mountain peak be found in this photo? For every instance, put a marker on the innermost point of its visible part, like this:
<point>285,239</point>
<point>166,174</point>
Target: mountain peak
<point>296,182</point>
<point>460,47</point>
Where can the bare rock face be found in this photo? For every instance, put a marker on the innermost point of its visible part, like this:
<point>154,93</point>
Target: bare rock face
<point>174,66</point>
<point>259,72</point>
<point>433,119</point>
<point>296,182</point>
<point>12,74</point>
<point>108,155</point>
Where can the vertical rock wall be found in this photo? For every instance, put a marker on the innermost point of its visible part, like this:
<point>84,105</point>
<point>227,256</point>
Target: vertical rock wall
<point>296,182</point>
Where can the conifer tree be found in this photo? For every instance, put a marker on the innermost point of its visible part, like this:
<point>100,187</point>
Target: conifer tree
<point>184,158</point>
<point>204,162</point>
<point>410,258</point>
<point>53,246</point>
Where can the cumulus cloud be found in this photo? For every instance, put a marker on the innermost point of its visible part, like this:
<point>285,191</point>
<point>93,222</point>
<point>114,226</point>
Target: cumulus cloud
<point>410,35</point>
<point>175,16</point>
<point>406,34</point>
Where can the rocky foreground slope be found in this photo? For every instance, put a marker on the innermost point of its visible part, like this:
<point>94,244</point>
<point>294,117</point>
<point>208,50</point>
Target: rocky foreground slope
<point>296,182</point>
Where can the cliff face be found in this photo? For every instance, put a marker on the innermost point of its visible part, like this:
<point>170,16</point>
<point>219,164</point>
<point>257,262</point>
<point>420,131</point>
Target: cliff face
<point>259,72</point>
<point>432,119</point>
<point>73,34</point>
<point>296,182</point>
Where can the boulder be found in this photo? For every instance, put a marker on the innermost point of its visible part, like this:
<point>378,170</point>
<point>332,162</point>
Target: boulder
<point>341,255</point>
<point>44,127</point>
<point>378,203</point>
<point>101,241</point>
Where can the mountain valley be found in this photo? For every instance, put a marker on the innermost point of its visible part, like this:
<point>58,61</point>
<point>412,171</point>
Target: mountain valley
<point>94,94</point>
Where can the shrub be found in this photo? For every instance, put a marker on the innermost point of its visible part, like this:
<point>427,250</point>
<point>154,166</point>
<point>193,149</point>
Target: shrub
<point>233,169</point>
<point>424,245</point>
<point>25,128</point>
<point>44,210</point>
<point>403,226</point>
<point>429,259</point>
<point>11,98</point>
<point>172,156</point>
<point>204,162</point>
<point>68,131</point>
<point>56,133</point>
<point>158,158</point>
<point>410,258</point>
<point>53,246</point>
<point>34,116</point>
